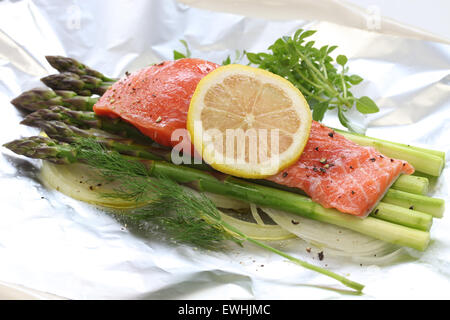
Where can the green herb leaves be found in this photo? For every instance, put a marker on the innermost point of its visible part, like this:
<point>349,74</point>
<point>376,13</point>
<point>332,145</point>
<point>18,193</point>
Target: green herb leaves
<point>341,60</point>
<point>366,105</point>
<point>313,72</point>
<point>178,55</point>
<point>238,56</point>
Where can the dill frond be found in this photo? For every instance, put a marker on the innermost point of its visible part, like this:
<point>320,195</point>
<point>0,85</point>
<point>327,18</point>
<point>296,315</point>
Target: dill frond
<point>184,216</point>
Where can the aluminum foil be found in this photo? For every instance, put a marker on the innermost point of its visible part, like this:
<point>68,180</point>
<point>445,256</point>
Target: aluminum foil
<point>55,244</point>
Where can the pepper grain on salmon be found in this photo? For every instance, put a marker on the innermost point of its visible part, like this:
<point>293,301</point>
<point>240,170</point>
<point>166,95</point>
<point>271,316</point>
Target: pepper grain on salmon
<point>164,92</point>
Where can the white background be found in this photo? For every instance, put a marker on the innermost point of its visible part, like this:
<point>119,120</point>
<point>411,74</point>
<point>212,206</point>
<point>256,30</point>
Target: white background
<point>431,15</point>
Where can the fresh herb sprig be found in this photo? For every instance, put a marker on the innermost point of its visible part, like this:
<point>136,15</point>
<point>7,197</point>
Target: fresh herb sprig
<point>183,216</point>
<point>179,55</point>
<point>238,54</point>
<point>312,70</point>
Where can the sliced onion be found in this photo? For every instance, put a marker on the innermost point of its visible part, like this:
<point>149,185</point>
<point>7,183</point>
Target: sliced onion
<point>226,202</point>
<point>258,232</point>
<point>255,214</point>
<point>80,182</point>
<point>335,240</point>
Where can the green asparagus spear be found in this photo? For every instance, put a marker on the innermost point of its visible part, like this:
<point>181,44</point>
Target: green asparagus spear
<point>86,120</point>
<point>412,184</point>
<point>64,64</point>
<point>44,98</point>
<point>83,85</point>
<point>432,206</point>
<point>430,162</point>
<point>249,192</point>
<point>39,147</point>
<point>62,132</point>
<point>90,120</point>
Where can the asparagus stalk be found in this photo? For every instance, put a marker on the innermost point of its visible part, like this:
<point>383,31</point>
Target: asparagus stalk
<point>412,184</point>
<point>87,119</point>
<point>427,161</point>
<point>48,149</point>
<point>39,147</point>
<point>76,76</point>
<point>83,85</point>
<point>66,133</point>
<point>44,98</point>
<point>356,136</point>
<point>432,206</point>
<point>64,64</point>
<point>406,217</point>
<point>62,132</point>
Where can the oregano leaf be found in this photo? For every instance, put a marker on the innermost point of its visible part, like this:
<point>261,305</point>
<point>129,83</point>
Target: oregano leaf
<point>366,105</point>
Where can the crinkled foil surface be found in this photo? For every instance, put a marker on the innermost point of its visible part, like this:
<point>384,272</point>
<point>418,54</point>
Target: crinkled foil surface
<point>55,244</point>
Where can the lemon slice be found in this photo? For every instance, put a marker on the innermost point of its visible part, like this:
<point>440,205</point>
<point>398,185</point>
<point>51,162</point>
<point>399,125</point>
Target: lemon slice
<point>248,122</point>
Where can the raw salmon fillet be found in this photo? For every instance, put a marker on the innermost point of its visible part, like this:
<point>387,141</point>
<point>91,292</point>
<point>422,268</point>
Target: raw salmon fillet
<point>332,170</point>
<point>156,99</point>
<point>338,173</point>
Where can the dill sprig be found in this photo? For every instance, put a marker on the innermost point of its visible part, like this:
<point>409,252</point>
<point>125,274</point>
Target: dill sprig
<point>184,216</point>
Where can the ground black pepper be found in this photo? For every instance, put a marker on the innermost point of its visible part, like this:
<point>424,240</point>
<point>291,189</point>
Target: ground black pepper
<point>320,255</point>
